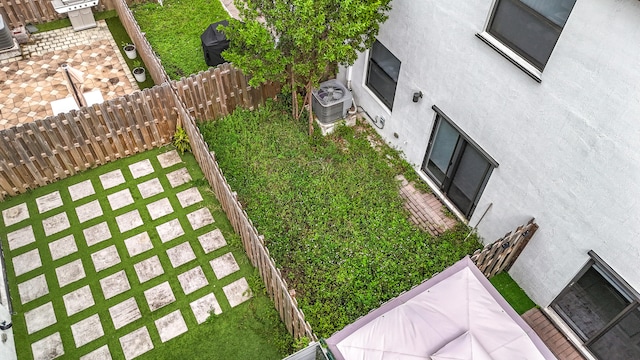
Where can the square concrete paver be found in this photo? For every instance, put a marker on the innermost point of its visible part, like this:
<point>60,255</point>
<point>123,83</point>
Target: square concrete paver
<point>87,330</point>
<point>211,241</point>
<point>15,214</point>
<point>237,292</point>
<point>138,244</point>
<point>115,284</point>
<point>21,237</point>
<point>141,168</point>
<point>148,269</point>
<point>26,262</point>
<point>129,221</point>
<point>89,211</point>
<point>178,177</point>
<point>150,188</point>
<point>136,343</point>
<point>81,190</point>
<point>169,230</point>
<point>224,265</point>
<point>55,224</point>
<point>189,197</point>
<point>78,300</point>
<point>48,348</point>
<point>120,199</point>
<point>200,218</point>
<point>159,296</point>
<point>63,247</point>
<point>169,159</point>
<point>181,254</point>
<point>125,313</point>
<point>203,307</point>
<point>49,202</point>
<point>192,280</point>
<point>97,233</point>
<point>40,318</point>
<point>70,272</point>
<point>101,353</point>
<point>33,289</point>
<point>171,325</point>
<point>112,179</point>
<point>159,208</point>
<point>105,258</point>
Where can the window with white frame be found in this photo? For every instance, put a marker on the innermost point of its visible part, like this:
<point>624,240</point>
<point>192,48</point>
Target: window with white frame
<point>530,28</point>
<point>603,310</point>
<point>382,73</point>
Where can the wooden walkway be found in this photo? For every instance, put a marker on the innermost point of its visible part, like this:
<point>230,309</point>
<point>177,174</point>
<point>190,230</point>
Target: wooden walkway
<point>556,341</point>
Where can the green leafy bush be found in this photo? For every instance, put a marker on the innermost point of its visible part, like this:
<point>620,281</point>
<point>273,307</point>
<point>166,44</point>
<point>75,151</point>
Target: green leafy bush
<point>330,211</point>
<point>181,140</point>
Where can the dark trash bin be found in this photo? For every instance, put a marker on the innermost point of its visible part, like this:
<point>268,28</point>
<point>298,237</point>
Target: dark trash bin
<point>214,42</point>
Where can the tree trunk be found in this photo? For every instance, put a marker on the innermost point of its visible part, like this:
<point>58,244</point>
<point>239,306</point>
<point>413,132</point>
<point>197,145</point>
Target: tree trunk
<point>294,97</point>
<point>310,108</point>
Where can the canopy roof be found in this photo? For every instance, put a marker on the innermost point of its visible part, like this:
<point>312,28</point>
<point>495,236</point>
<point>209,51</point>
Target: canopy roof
<point>456,314</point>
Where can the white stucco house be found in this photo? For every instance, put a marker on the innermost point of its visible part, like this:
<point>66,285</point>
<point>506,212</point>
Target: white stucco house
<point>513,109</point>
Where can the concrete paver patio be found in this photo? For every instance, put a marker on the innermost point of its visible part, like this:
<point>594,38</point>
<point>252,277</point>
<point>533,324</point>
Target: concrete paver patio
<point>30,84</point>
<point>85,263</point>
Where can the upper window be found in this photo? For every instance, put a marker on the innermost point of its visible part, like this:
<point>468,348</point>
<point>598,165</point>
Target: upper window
<point>382,73</point>
<point>456,164</point>
<point>603,310</point>
<point>530,28</point>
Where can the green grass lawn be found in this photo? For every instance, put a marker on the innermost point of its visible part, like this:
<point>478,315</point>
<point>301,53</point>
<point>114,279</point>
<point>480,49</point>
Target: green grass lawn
<point>121,37</point>
<point>174,31</point>
<point>250,330</point>
<point>330,212</point>
<point>512,292</point>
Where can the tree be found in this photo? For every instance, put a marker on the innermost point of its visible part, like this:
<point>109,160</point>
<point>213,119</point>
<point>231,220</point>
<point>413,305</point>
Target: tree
<point>301,42</point>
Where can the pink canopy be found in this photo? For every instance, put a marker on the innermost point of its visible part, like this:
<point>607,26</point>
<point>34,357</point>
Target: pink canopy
<point>456,314</point>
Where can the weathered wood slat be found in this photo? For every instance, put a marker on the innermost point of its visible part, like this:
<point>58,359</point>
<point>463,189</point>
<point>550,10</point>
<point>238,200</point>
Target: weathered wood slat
<point>500,255</point>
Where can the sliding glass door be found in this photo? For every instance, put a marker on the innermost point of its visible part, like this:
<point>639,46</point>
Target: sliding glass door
<point>603,311</point>
<point>458,167</point>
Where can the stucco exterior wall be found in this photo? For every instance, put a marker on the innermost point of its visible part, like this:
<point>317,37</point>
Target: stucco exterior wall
<point>568,148</point>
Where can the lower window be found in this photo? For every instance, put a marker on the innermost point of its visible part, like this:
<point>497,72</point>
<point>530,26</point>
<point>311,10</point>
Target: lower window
<point>456,164</point>
<point>603,310</point>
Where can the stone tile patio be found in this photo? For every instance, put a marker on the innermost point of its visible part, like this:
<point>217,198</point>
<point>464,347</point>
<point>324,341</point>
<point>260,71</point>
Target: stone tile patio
<point>63,247</point>
<point>17,213</point>
<point>97,233</point>
<point>125,313</point>
<point>126,286</point>
<point>148,269</point>
<point>211,241</point>
<point>87,330</point>
<point>21,237</point>
<point>159,296</point>
<point>78,300</point>
<point>181,254</point>
<point>33,289</point>
<point>30,84</point>
<point>49,347</point>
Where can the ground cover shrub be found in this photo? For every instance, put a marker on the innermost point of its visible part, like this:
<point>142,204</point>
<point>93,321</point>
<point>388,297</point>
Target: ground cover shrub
<point>512,292</point>
<point>174,30</point>
<point>330,211</point>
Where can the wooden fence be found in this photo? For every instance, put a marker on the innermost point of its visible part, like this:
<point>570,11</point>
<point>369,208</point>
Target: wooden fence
<point>217,92</point>
<point>253,243</point>
<point>145,51</point>
<point>40,152</point>
<point>22,12</point>
<point>500,255</point>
